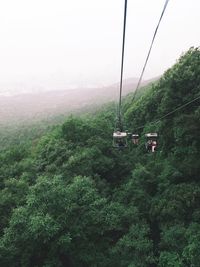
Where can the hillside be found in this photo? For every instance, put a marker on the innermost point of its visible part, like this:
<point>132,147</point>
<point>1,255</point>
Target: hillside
<point>23,107</point>
<point>70,199</point>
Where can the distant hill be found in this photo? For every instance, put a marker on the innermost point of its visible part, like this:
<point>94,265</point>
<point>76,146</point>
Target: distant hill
<point>26,106</point>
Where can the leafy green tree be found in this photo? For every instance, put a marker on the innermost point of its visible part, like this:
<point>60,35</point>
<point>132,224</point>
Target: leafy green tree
<point>68,198</point>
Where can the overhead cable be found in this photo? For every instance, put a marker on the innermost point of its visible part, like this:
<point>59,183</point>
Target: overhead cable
<point>122,65</point>
<point>169,113</point>
<point>149,52</point>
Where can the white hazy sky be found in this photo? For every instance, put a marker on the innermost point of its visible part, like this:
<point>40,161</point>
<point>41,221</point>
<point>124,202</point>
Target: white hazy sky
<point>79,41</point>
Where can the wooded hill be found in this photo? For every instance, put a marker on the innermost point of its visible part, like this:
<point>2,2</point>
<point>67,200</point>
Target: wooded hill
<point>70,199</point>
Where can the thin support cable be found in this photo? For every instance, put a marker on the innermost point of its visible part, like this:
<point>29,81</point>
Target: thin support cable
<point>171,112</point>
<point>122,67</point>
<point>149,52</point>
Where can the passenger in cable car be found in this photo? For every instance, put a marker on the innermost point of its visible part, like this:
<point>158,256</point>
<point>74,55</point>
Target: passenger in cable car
<point>149,145</point>
<point>120,142</point>
<point>135,139</point>
<point>153,146</point>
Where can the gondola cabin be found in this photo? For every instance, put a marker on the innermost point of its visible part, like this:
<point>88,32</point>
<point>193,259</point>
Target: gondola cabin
<point>135,139</point>
<point>152,142</point>
<point>119,139</point>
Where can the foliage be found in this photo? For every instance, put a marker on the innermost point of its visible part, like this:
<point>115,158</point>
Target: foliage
<point>68,198</point>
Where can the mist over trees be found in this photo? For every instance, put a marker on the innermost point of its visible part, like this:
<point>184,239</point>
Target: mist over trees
<point>68,198</point>
<point>22,107</point>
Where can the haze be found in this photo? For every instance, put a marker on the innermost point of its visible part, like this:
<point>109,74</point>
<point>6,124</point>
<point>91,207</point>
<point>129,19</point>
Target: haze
<point>62,44</point>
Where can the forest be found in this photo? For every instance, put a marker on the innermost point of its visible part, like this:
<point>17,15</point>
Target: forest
<point>68,198</point>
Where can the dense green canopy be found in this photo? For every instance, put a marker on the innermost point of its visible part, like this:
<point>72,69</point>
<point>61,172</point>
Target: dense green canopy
<point>68,198</point>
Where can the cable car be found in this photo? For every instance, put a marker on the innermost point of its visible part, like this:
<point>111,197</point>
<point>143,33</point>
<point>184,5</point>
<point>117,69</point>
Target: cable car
<point>120,139</point>
<point>152,142</point>
<point>135,139</point>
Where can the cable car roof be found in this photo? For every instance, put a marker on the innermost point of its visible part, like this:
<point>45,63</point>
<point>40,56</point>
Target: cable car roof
<point>119,134</point>
<point>135,135</point>
<point>151,135</point>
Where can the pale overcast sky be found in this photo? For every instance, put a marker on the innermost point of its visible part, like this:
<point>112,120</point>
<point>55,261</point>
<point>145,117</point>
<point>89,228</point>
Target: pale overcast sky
<point>80,40</point>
